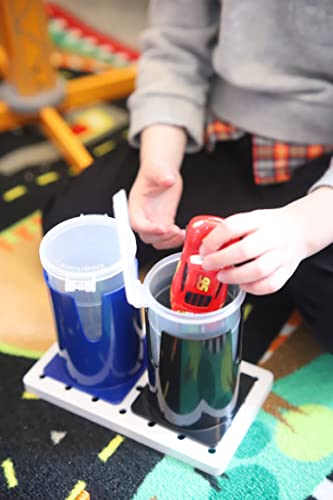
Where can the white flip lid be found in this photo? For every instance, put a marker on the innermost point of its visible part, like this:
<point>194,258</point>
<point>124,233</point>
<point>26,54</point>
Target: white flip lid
<point>135,291</point>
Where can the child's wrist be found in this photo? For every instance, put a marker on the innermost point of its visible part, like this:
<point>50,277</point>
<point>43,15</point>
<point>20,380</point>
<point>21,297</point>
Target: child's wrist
<point>312,219</point>
<point>162,149</point>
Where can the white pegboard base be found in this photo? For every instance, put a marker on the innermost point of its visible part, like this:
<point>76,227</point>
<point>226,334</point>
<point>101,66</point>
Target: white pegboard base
<point>121,419</point>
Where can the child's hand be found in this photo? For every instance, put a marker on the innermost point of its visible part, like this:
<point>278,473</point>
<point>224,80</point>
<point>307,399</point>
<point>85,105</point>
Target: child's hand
<point>271,246</point>
<point>156,192</point>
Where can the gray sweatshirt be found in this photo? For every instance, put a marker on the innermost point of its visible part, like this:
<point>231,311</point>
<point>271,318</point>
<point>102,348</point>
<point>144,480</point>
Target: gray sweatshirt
<point>266,66</point>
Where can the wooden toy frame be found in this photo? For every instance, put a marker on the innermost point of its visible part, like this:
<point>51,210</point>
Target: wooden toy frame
<point>32,90</point>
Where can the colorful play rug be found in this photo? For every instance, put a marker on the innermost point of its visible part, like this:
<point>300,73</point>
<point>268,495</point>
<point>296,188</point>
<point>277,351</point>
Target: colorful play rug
<point>46,452</point>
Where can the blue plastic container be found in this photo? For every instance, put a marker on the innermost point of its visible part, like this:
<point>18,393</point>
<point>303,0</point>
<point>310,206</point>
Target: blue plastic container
<point>99,333</point>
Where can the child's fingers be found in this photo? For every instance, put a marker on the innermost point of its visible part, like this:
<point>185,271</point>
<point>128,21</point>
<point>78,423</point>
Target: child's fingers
<point>233,227</point>
<point>146,228</point>
<point>270,284</point>
<point>255,270</point>
<point>159,234</point>
<point>248,248</point>
<point>173,242</point>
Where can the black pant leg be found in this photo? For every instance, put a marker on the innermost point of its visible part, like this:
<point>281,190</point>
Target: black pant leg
<point>219,182</point>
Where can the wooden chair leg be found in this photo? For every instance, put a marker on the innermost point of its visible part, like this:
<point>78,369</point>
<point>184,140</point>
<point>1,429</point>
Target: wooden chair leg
<point>58,131</point>
<point>3,62</point>
<point>113,84</point>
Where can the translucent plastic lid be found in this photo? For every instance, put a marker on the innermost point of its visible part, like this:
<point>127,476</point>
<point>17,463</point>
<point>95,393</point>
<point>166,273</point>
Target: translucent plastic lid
<point>135,290</point>
<point>84,250</point>
<point>139,294</point>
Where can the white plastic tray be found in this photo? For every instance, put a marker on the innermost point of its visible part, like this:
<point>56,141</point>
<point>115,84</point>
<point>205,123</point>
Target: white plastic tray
<point>122,420</point>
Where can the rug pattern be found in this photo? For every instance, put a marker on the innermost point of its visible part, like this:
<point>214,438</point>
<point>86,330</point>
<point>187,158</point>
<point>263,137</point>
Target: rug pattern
<point>46,452</point>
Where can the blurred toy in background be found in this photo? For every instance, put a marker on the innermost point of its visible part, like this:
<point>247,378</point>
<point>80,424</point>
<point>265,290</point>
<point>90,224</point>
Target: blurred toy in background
<point>194,289</point>
<point>84,495</point>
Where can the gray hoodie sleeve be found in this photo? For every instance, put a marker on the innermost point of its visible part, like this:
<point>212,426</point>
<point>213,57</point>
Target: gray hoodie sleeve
<point>326,179</point>
<point>175,68</point>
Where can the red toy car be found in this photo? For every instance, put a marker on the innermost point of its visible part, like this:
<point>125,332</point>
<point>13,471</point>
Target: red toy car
<point>193,289</point>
